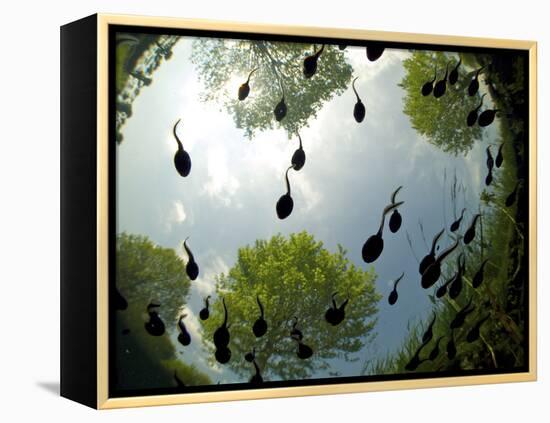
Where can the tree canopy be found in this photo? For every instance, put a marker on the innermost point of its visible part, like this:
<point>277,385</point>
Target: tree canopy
<point>146,272</point>
<point>293,277</point>
<point>441,120</point>
<point>280,67</point>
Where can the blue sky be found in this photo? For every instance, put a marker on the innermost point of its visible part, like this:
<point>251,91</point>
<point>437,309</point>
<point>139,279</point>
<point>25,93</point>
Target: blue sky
<point>228,200</point>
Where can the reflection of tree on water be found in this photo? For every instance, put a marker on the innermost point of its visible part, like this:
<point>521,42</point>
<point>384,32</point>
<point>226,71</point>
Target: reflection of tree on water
<point>294,277</point>
<point>146,273</point>
<point>280,72</point>
<point>441,120</point>
<point>137,57</point>
<point>493,266</point>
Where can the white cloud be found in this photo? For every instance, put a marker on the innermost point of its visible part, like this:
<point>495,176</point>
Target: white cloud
<point>176,215</point>
<point>222,184</point>
<point>205,284</point>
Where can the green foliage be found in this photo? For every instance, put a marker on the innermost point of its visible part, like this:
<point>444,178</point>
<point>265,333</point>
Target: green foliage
<point>293,276</point>
<point>441,120</point>
<point>501,240</point>
<point>137,57</point>
<point>188,374</point>
<point>146,272</point>
<point>279,65</point>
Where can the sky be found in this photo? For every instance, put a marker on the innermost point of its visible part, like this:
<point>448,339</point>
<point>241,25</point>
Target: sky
<point>228,200</point>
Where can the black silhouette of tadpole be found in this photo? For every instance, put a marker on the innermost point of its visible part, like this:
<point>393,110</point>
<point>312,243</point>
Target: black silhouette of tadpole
<point>119,300</point>
<point>511,199</point>
<point>490,161</point>
<point>461,315</point>
<point>296,333</point>
<point>342,47</point>
<point>433,271</point>
<point>250,356</point>
<point>304,351</point>
<point>285,204</point>
<point>487,117</point>
<point>441,85</point>
<point>451,347</point>
<point>155,326</point>
<point>280,109</point>
<point>310,63</point>
<point>299,157</point>
<point>415,361</point>
<point>430,257</point>
<point>473,334</point>
<point>192,269</point>
<point>392,299</point>
<point>223,355</point>
<point>205,312</point>
<point>336,314</point>
<point>455,287</point>
<point>474,83</point>
<point>256,379</point>
<point>244,89</point>
<point>182,160</point>
<point>500,157</point>
<point>456,224</point>
<point>395,218</point>
<point>221,339</point>
<point>428,335</point>
<point>221,335</point>
<point>374,50</point>
<point>477,280</point>
<point>183,338</point>
<point>453,76</point>
<point>471,119</point>
<point>428,86</point>
<point>260,325</point>
<point>373,246</point>
<point>179,382</point>
<point>359,108</point>
<point>434,353</point>
<point>442,290</point>
<point>470,233</point>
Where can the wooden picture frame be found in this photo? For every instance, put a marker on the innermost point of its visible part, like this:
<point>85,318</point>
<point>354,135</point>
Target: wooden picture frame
<point>94,110</point>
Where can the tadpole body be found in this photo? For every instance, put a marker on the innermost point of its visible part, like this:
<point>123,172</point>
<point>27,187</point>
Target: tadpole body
<point>336,314</point>
<point>470,233</point>
<point>359,110</point>
<point>155,325</point>
<point>310,63</point>
<point>373,246</point>
<point>244,89</point>
<point>183,338</point>
<point>182,160</point>
<point>430,257</point>
<point>260,325</point>
<point>428,86</point>
<point>285,204</point>
<point>392,299</point>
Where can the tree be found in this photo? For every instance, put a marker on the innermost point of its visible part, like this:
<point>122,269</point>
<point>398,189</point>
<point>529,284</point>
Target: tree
<point>280,67</point>
<point>146,272</point>
<point>293,276</point>
<point>137,58</point>
<point>441,120</point>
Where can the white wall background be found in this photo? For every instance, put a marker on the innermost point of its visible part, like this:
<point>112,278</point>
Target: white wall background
<point>29,210</point>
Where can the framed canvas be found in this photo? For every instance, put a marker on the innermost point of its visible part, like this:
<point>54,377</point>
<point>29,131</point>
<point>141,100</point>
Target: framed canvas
<point>255,211</point>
